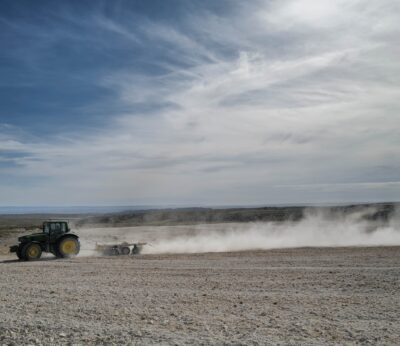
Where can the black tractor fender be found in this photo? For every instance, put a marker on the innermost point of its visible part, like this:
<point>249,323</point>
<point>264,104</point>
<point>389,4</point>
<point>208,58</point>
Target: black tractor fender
<point>67,235</point>
<point>22,245</point>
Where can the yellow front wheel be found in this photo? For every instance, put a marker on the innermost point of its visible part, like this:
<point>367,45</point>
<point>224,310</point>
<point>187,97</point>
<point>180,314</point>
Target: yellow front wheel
<point>68,247</point>
<point>31,251</point>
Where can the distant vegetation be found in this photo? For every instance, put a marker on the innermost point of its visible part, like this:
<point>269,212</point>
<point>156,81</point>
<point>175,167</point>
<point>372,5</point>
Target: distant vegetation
<point>192,215</point>
<point>379,212</point>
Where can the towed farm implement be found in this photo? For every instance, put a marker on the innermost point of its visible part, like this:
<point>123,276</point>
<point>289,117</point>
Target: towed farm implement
<point>120,249</point>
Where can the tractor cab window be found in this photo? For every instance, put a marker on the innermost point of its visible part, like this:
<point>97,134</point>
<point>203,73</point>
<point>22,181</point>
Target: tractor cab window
<point>55,227</point>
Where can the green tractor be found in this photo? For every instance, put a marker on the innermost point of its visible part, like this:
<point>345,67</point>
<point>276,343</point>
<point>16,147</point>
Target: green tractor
<point>55,238</point>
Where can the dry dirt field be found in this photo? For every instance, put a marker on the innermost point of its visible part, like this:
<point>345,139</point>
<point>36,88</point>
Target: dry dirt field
<point>308,296</point>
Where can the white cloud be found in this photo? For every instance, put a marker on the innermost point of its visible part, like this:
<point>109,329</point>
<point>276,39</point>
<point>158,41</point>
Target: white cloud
<point>297,93</point>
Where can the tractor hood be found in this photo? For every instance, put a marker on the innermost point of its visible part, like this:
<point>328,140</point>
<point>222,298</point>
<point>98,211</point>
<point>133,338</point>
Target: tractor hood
<point>33,237</point>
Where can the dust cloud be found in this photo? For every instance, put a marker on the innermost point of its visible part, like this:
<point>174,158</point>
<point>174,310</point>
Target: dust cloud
<point>318,228</point>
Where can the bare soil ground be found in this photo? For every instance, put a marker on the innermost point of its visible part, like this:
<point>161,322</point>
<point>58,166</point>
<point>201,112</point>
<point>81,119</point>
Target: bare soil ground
<point>308,296</point>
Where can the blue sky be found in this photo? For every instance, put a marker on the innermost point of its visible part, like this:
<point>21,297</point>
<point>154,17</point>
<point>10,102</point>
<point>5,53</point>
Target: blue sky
<point>199,102</point>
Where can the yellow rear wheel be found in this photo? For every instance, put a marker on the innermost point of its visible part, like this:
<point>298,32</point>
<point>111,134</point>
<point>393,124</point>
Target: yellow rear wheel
<point>68,247</point>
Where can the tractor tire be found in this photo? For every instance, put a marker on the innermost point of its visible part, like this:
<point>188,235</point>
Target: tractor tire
<point>31,251</point>
<point>67,247</point>
<point>125,250</point>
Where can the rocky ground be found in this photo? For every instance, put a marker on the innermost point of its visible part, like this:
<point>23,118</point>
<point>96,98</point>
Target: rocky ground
<point>308,296</point>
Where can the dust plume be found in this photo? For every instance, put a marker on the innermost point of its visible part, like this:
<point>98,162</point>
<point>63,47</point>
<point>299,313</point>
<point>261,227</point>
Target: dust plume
<point>319,228</point>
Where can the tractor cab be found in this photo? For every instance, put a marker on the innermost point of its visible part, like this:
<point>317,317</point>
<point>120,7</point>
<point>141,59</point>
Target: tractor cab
<point>54,229</point>
<point>59,227</point>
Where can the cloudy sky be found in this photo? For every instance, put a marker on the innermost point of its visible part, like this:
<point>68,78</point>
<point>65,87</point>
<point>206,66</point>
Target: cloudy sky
<point>199,102</point>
